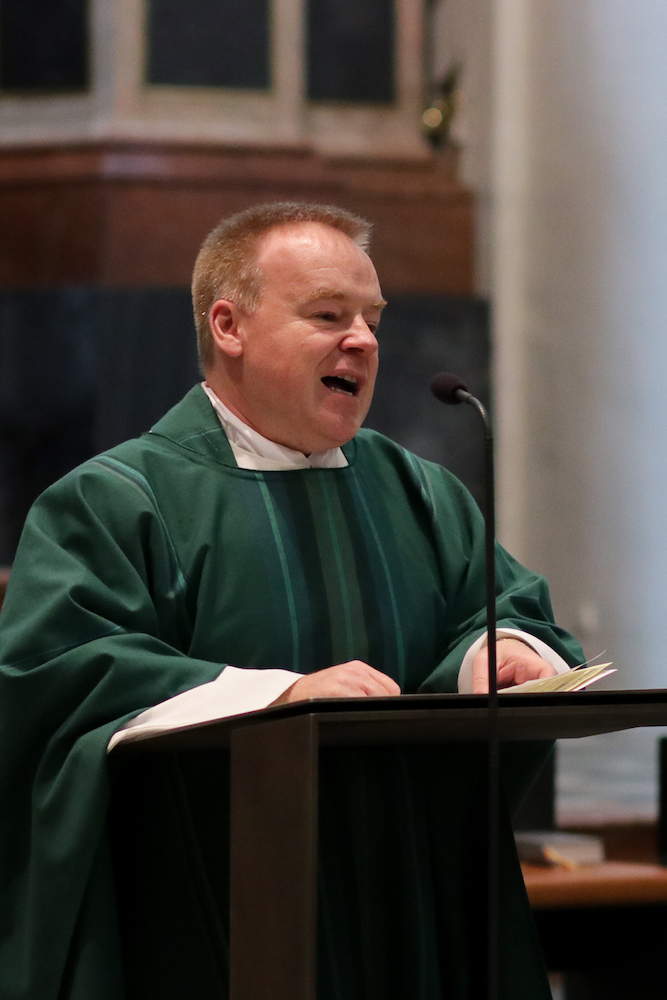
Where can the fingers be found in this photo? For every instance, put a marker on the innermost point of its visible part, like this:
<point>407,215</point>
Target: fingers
<point>527,670</point>
<point>354,679</point>
<point>385,684</point>
<point>516,663</point>
<point>480,672</point>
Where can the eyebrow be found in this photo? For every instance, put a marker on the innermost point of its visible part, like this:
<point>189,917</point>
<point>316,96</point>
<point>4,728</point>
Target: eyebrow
<point>331,293</point>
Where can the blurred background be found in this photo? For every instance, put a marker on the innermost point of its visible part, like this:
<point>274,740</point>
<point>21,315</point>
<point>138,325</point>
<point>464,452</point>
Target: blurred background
<point>512,155</point>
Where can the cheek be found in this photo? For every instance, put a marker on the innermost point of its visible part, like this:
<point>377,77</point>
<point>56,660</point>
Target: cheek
<point>372,375</point>
<point>293,382</point>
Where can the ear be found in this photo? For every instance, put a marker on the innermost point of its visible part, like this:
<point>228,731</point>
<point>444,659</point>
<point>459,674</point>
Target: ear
<point>223,324</point>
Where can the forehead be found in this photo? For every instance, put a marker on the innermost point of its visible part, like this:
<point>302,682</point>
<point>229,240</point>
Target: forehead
<point>306,256</point>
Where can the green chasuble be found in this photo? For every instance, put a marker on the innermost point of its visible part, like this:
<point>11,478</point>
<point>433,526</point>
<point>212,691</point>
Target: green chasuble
<point>138,576</point>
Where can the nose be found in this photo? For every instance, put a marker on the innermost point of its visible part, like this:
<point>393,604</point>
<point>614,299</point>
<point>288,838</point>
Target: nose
<point>360,338</point>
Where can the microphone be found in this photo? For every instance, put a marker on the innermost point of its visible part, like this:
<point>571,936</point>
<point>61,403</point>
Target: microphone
<point>451,389</point>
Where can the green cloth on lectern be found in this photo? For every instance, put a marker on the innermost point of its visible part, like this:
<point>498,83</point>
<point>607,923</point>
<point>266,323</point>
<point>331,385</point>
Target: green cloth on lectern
<point>148,568</point>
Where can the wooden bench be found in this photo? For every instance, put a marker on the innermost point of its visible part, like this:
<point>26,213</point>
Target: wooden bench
<point>604,926</point>
<point>614,883</point>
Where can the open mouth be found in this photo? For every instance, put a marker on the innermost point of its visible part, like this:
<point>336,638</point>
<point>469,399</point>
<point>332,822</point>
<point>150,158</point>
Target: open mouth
<point>342,383</point>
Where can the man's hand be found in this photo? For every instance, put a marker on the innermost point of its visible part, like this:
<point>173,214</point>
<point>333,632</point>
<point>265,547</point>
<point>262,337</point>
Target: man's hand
<point>346,680</point>
<point>516,663</point>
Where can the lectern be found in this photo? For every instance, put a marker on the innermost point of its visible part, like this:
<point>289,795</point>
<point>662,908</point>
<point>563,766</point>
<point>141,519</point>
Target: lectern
<point>274,796</point>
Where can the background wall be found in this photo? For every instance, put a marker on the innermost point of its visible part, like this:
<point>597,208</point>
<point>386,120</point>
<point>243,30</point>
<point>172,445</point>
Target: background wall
<point>579,277</point>
<point>463,32</point>
<point>564,132</point>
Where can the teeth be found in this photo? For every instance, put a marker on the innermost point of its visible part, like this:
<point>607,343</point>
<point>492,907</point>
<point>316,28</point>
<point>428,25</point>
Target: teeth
<point>340,383</point>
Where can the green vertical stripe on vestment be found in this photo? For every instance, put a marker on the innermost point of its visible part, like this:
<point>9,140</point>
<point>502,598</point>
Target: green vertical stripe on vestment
<point>341,579</point>
<point>370,596</point>
<point>303,526</point>
<point>327,551</point>
<point>388,584</point>
<point>351,576</point>
<point>339,564</point>
<point>289,593</point>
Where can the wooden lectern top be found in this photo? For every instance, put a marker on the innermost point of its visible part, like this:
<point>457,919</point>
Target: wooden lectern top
<point>412,719</point>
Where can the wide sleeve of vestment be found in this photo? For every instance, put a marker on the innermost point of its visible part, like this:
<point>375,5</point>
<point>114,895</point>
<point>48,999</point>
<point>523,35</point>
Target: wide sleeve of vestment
<point>522,597</point>
<point>94,629</point>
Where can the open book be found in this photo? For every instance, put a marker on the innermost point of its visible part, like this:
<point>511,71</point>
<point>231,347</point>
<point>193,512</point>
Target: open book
<point>574,680</point>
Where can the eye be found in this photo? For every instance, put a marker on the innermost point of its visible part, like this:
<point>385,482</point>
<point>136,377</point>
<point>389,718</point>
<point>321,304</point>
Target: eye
<point>329,317</point>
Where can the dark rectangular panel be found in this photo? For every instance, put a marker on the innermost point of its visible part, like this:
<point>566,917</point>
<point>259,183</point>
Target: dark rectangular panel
<point>147,358</point>
<point>419,336</point>
<point>44,45</point>
<point>209,43</point>
<point>48,389</point>
<point>82,369</point>
<point>351,50</point>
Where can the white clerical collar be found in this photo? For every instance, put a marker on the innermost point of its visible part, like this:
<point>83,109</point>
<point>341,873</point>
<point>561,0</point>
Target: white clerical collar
<point>253,451</point>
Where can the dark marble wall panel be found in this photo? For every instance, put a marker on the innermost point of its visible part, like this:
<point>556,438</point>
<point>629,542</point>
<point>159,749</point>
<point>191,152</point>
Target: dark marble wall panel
<point>83,369</point>
<point>209,43</point>
<point>48,388</point>
<point>44,45</point>
<point>350,50</point>
<point>420,336</point>
<point>148,359</point>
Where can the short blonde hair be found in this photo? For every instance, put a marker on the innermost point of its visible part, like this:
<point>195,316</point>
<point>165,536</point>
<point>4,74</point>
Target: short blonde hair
<point>226,266</point>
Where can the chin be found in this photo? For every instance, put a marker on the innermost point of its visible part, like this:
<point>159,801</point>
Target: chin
<point>337,439</point>
<point>326,434</point>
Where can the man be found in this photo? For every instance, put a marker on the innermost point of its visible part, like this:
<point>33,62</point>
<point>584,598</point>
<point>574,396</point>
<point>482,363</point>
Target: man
<point>254,529</point>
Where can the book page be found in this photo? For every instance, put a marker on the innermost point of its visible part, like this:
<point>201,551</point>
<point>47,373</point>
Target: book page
<point>574,680</point>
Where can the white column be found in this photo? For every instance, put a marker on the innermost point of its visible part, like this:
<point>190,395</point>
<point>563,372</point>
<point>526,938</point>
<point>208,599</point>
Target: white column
<point>580,297</point>
<point>509,240</point>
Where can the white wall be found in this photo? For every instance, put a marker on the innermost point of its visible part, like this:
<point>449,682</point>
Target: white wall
<point>565,145</point>
<point>463,32</point>
<point>579,251</point>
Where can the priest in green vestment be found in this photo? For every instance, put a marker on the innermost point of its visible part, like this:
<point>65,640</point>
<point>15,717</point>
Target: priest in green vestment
<point>257,547</point>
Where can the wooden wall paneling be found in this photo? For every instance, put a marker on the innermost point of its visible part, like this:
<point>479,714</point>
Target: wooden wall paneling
<point>51,234</point>
<point>135,215</point>
<point>421,246</point>
<point>155,231</point>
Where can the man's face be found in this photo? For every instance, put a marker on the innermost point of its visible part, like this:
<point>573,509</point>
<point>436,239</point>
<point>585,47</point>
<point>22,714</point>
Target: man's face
<point>307,356</point>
